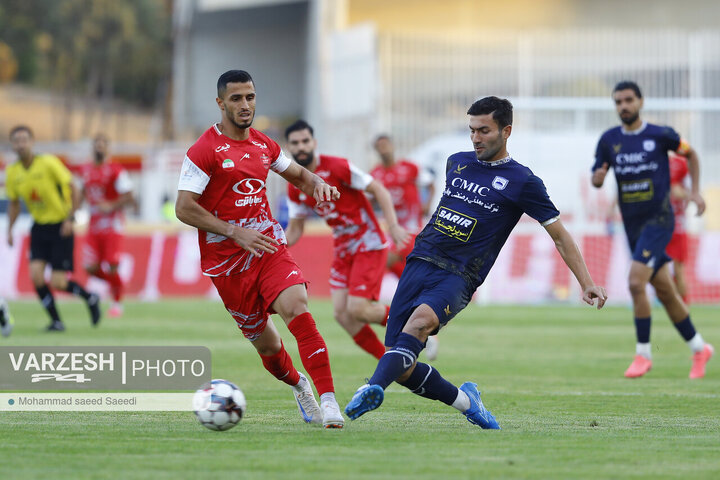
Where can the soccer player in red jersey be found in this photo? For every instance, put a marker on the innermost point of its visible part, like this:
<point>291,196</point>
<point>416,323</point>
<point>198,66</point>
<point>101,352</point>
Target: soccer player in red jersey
<point>107,189</point>
<point>402,179</point>
<point>360,247</point>
<point>243,248</point>
<point>677,249</point>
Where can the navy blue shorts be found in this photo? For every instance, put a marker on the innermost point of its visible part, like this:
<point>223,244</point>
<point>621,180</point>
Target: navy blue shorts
<point>422,282</point>
<point>649,247</point>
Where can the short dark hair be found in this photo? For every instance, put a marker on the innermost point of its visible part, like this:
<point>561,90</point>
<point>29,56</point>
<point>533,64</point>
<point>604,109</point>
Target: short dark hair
<point>501,109</point>
<point>382,136</point>
<point>21,128</point>
<point>628,85</point>
<point>297,126</point>
<point>232,76</point>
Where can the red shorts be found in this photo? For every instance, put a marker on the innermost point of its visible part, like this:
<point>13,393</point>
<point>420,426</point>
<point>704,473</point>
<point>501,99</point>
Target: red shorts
<point>361,273</point>
<point>677,249</point>
<point>248,296</point>
<point>102,247</point>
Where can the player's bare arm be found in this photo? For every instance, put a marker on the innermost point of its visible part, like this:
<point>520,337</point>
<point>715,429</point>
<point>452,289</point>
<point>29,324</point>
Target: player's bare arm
<point>13,212</point>
<point>310,184</point>
<point>598,176</point>
<point>66,229</point>
<point>294,230</point>
<point>117,204</point>
<point>693,163</point>
<point>189,211</point>
<point>572,257</point>
<point>399,235</point>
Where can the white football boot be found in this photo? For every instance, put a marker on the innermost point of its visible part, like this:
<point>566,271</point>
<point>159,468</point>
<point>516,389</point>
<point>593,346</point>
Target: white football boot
<point>305,398</point>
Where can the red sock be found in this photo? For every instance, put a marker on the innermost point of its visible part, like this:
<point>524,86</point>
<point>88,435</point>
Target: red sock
<point>387,314</point>
<point>281,367</point>
<point>368,341</point>
<point>116,284</point>
<point>313,352</point>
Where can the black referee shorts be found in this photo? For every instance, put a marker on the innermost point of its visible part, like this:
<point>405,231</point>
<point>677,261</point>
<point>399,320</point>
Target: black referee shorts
<point>47,244</point>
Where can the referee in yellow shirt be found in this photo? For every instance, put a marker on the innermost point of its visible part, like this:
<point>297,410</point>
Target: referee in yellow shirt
<point>46,187</point>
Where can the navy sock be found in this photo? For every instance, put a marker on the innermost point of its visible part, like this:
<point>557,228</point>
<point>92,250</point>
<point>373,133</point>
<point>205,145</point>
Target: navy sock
<point>427,382</point>
<point>397,360</point>
<point>76,289</point>
<point>48,301</point>
<point>686,328</point>
<point>642,329</point>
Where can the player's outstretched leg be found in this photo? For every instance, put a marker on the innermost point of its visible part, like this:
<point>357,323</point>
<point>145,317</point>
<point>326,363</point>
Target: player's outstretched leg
<point>314,355</point>
<point>427,382</point>
<point>394,363</point>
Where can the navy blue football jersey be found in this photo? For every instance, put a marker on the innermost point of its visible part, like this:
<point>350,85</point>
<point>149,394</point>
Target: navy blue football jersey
<point>642,170</point>
<point>481,204</point>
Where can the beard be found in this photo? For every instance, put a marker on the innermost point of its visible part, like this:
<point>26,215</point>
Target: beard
<point>631,119</point>
<point>243,125</point>
<point>304,159</point>
<point>99,157</point>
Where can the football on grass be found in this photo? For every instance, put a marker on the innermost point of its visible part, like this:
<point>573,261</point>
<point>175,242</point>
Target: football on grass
<point>219,405</point>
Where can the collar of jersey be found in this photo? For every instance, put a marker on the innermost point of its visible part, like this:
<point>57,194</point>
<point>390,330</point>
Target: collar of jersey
<point>496,162</point>
<point>634,132</point>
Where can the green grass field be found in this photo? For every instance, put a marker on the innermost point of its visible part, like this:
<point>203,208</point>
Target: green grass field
<point>551,375</point>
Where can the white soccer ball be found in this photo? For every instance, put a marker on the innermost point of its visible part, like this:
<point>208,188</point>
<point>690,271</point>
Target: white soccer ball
<point>219,405</point>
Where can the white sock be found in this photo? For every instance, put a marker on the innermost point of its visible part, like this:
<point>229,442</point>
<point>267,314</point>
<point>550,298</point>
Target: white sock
<point>462,402</point>
<point>327,397</point>
<point>696,343</point>
<point>644,350</point>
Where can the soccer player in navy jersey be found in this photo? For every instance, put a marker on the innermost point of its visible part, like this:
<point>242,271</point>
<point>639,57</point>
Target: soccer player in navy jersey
<point>638,153</point>
<point>486,193</point>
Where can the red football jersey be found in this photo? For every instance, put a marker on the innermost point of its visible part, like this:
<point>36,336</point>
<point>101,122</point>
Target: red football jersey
<point>104,183</point>
<point>230,177</point>
<point>401,181</point>
<point>355,227</point>
<point>678,172</point>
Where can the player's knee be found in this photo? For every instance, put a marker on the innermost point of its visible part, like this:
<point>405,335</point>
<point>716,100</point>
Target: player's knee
<point>421,326</point>
<point>268,349</point>
<point>58,282</point>
<point>357,308</point>
<point>637,286</point>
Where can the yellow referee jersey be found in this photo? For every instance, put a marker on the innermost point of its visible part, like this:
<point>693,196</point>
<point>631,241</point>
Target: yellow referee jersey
<point>44,187</point>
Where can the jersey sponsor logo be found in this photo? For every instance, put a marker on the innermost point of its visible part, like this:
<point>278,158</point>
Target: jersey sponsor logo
<point>499,183</point>
<point>470,186</point>
<point>222,148</point>
<point>227,163</point>
<point>258,144</point>
<point>247,155</point>
<point>635,157</point>
<point>454,224</point>
<point>244,202</point>
<point>637,191</point>
<point>249,186</point>
<point>649,145</point>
